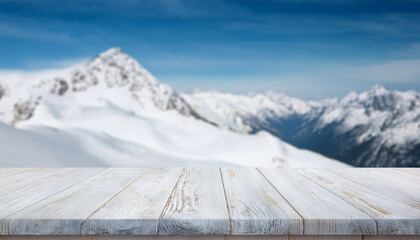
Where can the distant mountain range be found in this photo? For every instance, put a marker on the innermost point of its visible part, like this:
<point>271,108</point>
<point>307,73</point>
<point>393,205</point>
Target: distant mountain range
<point>377,128</point>
<point>111,111</point>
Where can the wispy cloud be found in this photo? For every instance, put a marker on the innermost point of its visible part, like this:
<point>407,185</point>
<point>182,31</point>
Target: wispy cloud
<point>319,81</point>
<point>392,71</point>
<point>45,64</point>
<point>391,25</point>
<point>11,30</point>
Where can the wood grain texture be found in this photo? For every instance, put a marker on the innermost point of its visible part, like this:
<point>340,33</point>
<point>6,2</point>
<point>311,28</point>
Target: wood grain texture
<point>323,212</point>
<point>36,174</point>
<point>325,238</point>
<point>137,208</point>
<point>392,189</point>
<point>393,175</point>
<point>209,202</point>
<point>63,213</point>
<point>413,171</point>
<point>32,237</point>
<point>391,238</point>
<point>392,217</point>
<point>33,186</point>
<point>197,205</point>
<point>296,237</point>
<point>255,207</point>
<point>5,172</point>
<point>209,238</point>
<point>201,237</point>
<point>116,238</point>
<point>242,237</point>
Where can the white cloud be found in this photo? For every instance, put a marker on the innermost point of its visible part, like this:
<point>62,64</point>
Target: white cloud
<point>10,30</point>
<point>392,71</point>
<point>48,63</point>
<point>38,68</point>
<point>319,81</point>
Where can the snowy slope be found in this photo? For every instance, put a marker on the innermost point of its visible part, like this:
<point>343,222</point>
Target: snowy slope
<point>111,111</point>
<point>373,128</point>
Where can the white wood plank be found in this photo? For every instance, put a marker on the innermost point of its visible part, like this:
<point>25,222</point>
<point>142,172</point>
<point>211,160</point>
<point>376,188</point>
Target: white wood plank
<point>255,207</point>
<point>201,237</point>
<point>116,237</point>
<point>205,237</point>
<point>5,172</point>
<point>197,205</point>
<point>388,195</point>
<point>29,189</point>
<point>243,237</point>
<point>135,210</point>
<point>323,212</point>
<point>392,217</point>
<point>391,238</point>
<point>31,237</point>
<point>400,192</point>
<point>408,174</point>
<point>32,175</point>
<point>325,238</point>
<point>396,176</point>
<point>19,179</point>
<point>413,171</point>
<point>209,237</point>
<point>63,213</point>
<point>296,237</point>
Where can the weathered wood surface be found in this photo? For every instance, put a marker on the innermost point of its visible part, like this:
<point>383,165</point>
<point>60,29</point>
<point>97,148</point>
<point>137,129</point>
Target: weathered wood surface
<point>90,203</point>
<point>5,172</point>
<point>135,210</point>
<point>413,171</point>
<point>323,212</point>
<point>392,217</point>
<point>31,175</point>
<point>63,213</point>
<point>395,175</point>
<point>400,192</point>
<point>21,190</point>
<point>255,207</point>
<point>207,237</point>
<point>197,205</point>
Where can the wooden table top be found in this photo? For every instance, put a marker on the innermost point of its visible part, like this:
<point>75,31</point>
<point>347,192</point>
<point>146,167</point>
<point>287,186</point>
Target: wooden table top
<point>209,201</point>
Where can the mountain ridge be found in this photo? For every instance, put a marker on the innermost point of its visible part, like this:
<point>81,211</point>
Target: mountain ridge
<point>117,70</point>
<point>377,127</point>
<point>111,111</point>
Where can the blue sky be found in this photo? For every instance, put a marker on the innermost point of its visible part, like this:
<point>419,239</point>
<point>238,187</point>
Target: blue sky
<point>304,48</point>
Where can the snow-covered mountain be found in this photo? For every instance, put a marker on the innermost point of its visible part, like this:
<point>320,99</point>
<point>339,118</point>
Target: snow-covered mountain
<point>112,69</point>
<point>374,128</point>
<point>111,111</point>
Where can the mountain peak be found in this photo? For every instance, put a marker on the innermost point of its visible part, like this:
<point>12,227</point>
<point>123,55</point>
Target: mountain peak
<point>112,76</point>
<point>378,89</point>
<point>111,52</point>
<point>115,56</point>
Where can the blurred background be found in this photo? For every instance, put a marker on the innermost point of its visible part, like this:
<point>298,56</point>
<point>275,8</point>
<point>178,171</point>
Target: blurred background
<point>274,83</point>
